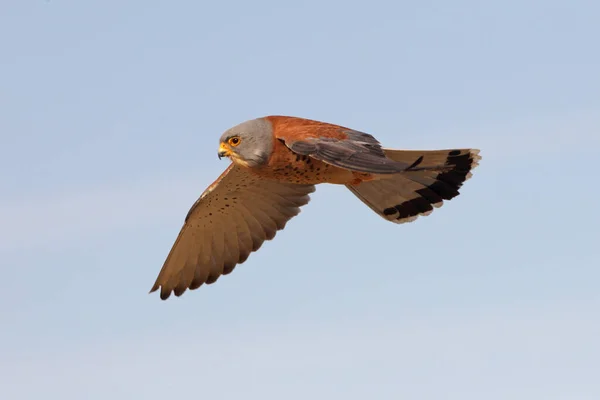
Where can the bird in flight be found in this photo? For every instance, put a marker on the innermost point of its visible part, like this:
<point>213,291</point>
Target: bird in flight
<point>276,163</point>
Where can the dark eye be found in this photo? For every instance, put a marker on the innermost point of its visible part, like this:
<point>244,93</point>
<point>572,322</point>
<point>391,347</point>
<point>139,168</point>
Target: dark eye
<point>234,141</point>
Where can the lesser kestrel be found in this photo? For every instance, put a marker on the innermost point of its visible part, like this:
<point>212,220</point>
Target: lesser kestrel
<point>276,163</point>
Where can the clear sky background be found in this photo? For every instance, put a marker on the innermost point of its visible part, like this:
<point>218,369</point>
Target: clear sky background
<point>110,114</point>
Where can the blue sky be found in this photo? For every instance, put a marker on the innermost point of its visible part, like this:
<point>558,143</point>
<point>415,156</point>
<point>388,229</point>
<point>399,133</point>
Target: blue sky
<point>109,124</point>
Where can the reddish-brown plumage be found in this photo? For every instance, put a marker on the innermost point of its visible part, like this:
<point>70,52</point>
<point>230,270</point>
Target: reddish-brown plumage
<point>291,128</point>
<point>277,161</point>
<point>284,165</point>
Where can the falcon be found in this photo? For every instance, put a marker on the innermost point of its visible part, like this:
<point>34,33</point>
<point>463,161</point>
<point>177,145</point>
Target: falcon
<point>276,161</point>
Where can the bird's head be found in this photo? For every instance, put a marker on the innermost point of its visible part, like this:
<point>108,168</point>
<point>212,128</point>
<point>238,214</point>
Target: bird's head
<point>249,144</point>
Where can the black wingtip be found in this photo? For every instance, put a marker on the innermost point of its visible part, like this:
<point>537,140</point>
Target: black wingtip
<point>417,162</point>
<point>165,294</point>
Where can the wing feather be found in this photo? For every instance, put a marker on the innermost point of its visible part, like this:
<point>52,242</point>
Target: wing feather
<point>230,220</point>
<point>217,253</point>
<point>356,151</point>
<point>273,211</point>
<point>257,231</point>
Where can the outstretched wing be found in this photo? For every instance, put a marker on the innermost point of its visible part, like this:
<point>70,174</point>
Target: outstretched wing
<point>230,220</point>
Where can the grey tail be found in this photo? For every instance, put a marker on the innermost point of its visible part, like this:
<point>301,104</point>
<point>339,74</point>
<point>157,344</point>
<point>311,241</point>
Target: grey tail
<point>403,196</point>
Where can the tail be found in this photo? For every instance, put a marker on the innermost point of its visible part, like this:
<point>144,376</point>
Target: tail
<point>404,196</point>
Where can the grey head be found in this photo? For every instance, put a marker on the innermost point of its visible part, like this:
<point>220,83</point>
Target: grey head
<point>249,143</point>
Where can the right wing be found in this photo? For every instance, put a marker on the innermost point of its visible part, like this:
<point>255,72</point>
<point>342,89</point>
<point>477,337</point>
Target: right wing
<point>230,220</point>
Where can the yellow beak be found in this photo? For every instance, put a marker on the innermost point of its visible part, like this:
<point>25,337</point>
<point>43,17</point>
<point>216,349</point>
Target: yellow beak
<point>224,150</point>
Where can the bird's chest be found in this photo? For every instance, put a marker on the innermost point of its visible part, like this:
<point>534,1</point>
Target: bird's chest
<point>287,166</point>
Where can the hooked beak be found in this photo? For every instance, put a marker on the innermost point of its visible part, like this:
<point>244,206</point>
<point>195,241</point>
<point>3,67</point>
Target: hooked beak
<point>224,150</point>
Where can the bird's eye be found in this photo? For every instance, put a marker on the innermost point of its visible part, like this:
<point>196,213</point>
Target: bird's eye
<point>234,141</point>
